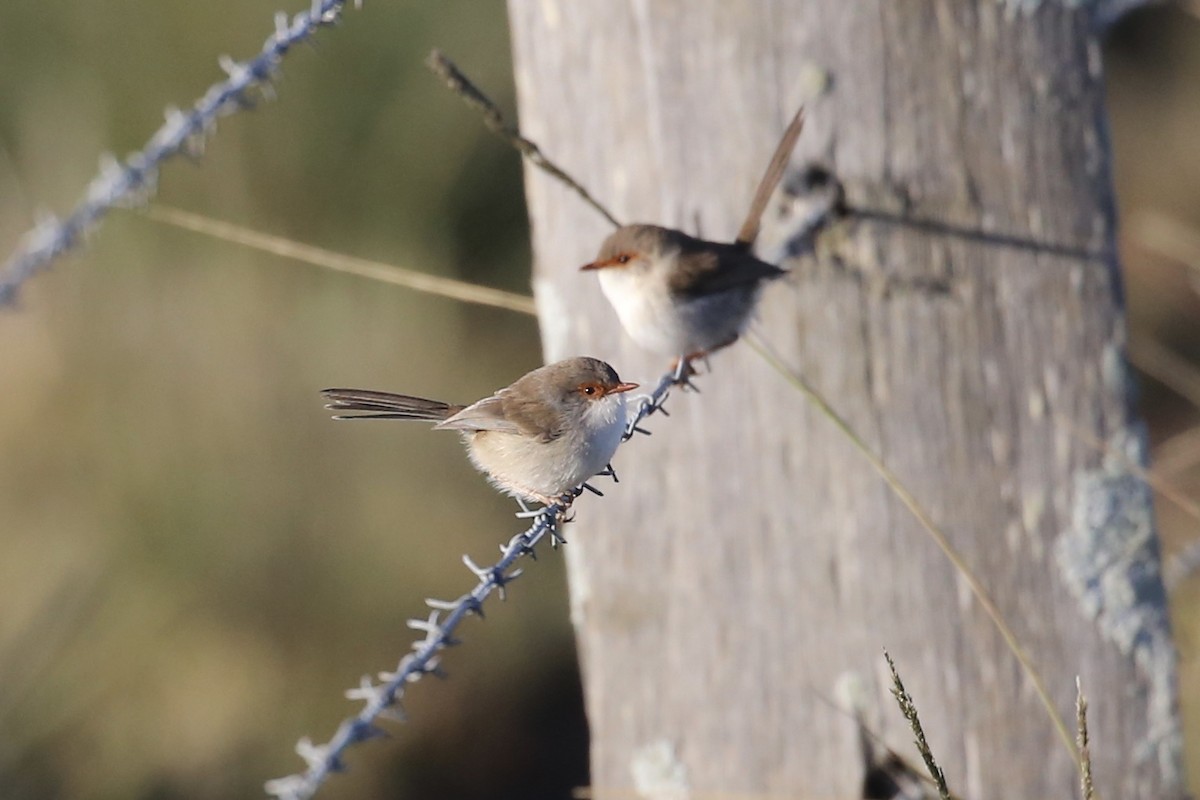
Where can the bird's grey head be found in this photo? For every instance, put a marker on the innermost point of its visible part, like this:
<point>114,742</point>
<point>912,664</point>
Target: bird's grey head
<point>631,247</point>
<point>581,380</point>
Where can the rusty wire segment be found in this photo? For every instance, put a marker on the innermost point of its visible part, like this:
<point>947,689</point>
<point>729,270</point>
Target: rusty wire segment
<point>382,699</point>
<point>131,182</point>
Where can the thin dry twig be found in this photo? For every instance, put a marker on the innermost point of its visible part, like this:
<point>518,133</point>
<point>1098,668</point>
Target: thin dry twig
<point>493,118</point>
<point>387,273</point>
<point>909,710</point>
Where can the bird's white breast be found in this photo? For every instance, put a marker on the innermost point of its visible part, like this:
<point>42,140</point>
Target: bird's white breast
<point>520,464</point>
<point>670,324</point>
<point>644,304</point>
<point>604,421</point>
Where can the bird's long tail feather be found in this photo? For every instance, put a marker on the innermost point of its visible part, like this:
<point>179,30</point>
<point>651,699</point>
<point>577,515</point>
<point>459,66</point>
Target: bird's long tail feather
<point>770,179</point>
<point>385,405</point>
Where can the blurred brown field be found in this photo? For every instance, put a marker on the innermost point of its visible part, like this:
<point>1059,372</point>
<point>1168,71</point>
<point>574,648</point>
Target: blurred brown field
<point>194,561</point>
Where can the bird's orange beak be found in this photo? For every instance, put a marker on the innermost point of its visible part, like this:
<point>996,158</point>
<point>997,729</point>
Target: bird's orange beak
<point>619,260</point>
<point>622,387</point>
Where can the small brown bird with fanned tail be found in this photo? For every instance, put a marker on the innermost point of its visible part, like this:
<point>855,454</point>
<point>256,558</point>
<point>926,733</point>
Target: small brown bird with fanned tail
<point>537,439</point>
<point>682,296</point>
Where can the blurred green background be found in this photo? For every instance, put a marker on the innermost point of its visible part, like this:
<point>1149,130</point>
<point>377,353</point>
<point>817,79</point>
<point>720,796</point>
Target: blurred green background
<point>194,561</point>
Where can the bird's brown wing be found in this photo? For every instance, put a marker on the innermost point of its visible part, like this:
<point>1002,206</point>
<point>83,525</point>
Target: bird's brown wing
<point>484,415</point>
<point>706,268</point>
<point>505,412</point>
<point>530,403</point>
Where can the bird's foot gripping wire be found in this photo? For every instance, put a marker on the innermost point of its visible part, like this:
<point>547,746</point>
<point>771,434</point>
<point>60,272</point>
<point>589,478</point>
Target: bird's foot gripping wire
<point>683,371</point>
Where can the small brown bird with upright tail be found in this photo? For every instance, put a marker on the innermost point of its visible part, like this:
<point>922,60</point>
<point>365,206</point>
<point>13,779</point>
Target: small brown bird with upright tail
<point>536,439</point>
<point>682,296</point>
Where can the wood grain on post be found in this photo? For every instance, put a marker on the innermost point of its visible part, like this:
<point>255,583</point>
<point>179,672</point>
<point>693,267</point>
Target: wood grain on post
<point>733,595</point>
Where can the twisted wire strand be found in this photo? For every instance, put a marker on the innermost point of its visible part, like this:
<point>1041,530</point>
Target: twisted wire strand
<point>132,182</point>
<point>382,699</point>
<point>439,64</point>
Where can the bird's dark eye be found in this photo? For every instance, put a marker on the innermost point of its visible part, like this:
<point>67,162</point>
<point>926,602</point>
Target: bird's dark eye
<point>623,258</point>
<point>589,389</point>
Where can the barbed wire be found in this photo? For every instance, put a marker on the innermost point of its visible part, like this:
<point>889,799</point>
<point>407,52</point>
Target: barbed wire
<point>382,699</point>
<point>457,81</point>
<point>120,184</point>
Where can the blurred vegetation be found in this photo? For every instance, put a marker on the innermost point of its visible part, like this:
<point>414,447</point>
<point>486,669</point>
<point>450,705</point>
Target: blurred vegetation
<point>1153,63</point>
<point>196,562</point>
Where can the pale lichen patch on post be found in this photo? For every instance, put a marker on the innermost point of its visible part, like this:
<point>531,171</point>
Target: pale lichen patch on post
<point>1095,60</point>
<point>1033,509</point>
<point>1000,444</point>
<point>1036,405</point>
<point>1114,368</point>
<point>1033,506</point>
<point>1110,561</point>
<point>1013,536</point>
<point>657,772</point>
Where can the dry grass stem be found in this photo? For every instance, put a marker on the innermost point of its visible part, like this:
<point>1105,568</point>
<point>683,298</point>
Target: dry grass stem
<point>1167,367</point>
<point>1177,454</point>
<point>909,710</point>
<point>1167,235</point>
<point>398,276</point>
<point>1086,789</point>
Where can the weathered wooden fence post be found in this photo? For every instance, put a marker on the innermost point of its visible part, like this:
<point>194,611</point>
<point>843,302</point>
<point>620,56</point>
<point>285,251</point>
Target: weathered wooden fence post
<point>751,567</point>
